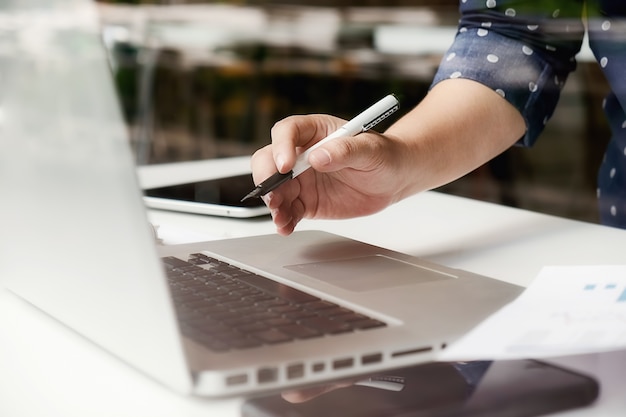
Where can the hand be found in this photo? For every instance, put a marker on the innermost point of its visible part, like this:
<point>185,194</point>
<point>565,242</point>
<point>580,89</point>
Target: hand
<point>352,176</point>
<point>307,394</point>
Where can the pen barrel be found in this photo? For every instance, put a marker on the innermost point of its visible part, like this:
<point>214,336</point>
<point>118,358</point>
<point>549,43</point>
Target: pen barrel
<point>380,118</point>
<point>369,118</point>
<point>302,163</point>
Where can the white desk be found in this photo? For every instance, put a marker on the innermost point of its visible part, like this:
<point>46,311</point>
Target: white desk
<point>47,370</point>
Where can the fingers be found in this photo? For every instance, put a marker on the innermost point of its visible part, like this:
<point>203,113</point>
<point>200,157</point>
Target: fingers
<point>262,164</point>
<point>289,136</point>
<point>286,221</point>
<point>299,132</point>
<point>307,394</point>
<point>362,152</point>
<point>286,208</point>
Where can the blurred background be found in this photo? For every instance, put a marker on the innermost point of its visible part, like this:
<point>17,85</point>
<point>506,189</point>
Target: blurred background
<point>208,79</point>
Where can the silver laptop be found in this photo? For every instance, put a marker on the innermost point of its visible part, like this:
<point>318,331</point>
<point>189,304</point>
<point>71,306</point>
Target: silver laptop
<point>76,244</point>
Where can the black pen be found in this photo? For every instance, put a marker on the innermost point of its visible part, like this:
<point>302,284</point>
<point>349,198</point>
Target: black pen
<point>364,121</point>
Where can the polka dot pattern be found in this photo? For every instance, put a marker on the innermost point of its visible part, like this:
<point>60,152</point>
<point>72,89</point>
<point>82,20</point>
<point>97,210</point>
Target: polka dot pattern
<point>604,33</point>
<point>492,58</point>
<point>525,50</point>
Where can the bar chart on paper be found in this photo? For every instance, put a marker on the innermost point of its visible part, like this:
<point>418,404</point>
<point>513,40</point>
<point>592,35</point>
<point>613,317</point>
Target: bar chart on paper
<point>591,312</point>
<point>607,290</point>
<point>566,310</point>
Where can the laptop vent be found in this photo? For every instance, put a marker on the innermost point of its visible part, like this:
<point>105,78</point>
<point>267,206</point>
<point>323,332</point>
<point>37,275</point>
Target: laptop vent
<point>318,367</point>
<point>372,358</point>
<point>343,363</point>
<point>265,375</point>
<point>411,351</point>
<point>239,379</point>
<point>294,371</point>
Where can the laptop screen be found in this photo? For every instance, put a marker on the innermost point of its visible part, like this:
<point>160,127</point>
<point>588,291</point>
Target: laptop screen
<point>75,238</point>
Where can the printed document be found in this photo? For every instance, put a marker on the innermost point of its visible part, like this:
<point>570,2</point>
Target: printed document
<point>566,310</point>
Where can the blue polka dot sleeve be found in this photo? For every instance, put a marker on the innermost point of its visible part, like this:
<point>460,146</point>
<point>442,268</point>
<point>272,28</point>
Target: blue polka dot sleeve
<point>523,50</point>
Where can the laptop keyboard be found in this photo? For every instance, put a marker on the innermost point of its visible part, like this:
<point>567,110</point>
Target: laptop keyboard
<point>224,307</point>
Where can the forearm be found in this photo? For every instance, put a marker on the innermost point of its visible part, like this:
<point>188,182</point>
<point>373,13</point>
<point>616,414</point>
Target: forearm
<point>459,126</point>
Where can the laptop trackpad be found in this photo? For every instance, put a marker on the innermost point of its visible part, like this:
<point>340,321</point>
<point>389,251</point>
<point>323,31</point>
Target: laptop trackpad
<point>369,273</point>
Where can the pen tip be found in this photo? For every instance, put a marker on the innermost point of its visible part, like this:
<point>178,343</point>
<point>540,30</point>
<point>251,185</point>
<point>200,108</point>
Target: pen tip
<point>248,196</point>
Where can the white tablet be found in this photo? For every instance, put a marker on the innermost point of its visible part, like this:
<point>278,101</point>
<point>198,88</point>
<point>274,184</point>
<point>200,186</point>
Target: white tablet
<point>215,197</point>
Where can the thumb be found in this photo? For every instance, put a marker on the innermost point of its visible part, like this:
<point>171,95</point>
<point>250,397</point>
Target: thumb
<point>358,152</point>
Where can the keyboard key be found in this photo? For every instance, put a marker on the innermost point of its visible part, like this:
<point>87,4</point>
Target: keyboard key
<point>252,327</point>
<point>278,321</point>
<point>299,331</point>
<point>272,336</point>
<point>367,324</point>
<point>173,262</point>
<point>325,325</point>
<point>336,312</point>
<point>278,289</point>
<point>320,305</point>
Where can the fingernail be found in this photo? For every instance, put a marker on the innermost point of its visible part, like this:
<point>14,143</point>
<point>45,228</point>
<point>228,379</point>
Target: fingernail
<point>320,157</point>
<point>280,162</point>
